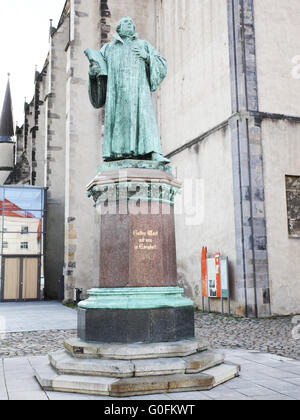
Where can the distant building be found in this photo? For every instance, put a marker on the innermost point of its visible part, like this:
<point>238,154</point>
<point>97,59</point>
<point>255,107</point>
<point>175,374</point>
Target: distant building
<point>22,230</point>
<point>7,132</point>
<point>21,243</point>
<point>229,118</point>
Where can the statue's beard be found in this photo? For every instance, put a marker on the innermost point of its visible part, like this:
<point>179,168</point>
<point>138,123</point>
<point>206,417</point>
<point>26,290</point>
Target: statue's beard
<point>126,32</point>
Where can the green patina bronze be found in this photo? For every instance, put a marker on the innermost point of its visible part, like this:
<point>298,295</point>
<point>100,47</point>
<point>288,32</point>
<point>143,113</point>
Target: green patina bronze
<point>136,298</point>
<point>133,163</point>
<point>122,76</point>
<point>134,191</point>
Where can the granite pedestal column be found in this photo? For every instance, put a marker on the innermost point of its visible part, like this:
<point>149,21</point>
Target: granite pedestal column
<point>139,299</point>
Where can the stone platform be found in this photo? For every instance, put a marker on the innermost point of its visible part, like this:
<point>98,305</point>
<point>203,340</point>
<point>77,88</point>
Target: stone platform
<point>134,369</point>
<point>136,315</point>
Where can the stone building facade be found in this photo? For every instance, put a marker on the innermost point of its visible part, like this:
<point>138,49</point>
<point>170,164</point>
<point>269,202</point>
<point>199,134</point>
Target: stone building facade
<point>229,119</point>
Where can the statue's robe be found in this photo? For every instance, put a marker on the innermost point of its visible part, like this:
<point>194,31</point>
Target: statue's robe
<point>125,89</point>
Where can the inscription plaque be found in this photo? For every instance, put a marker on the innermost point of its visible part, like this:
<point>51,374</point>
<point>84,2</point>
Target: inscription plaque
<point>145,240</point>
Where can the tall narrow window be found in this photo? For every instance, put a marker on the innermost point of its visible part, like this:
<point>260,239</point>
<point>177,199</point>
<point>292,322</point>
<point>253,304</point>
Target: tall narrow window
<point>293,205</point>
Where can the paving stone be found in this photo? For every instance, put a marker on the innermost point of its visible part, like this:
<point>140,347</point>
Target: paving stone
<point>152,397</point>
<point>295,370</point>
<point>236,383</point>
<point>225,394</point>
<point>28,396</point>
<point>278,397</point>
<point>252,390</point>
<point>18,385</point>
<point>36,316</point>
<point>189,396</point>
<point>62,396</point>
<point>279,386</point>
<point>294,381</point>
<point>294,394</point>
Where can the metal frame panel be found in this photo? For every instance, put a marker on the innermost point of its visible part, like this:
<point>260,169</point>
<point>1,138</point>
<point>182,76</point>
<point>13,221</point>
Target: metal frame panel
<point>21,257</point>
<point>39,256</point>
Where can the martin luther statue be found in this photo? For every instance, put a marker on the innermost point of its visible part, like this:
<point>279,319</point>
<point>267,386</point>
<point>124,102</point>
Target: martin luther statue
<point>122,76</point>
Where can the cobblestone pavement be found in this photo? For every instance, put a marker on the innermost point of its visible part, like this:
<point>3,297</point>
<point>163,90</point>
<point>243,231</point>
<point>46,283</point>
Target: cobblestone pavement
<point>271,335</point>
<point>32,343</point>
<point>265,335</point>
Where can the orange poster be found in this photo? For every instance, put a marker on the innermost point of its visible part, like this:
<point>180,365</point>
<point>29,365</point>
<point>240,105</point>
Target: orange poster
<point>218,274</point>
<point>204,272</point>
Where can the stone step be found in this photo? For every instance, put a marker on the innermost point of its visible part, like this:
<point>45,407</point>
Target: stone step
<point>64,363</point>
<point>224,372</point>
<point>52,381</point>
<point>81,349</point>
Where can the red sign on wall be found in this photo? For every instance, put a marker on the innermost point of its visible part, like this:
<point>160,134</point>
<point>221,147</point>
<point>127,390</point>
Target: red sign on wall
<point>215,283</point>
<point>218,274</point>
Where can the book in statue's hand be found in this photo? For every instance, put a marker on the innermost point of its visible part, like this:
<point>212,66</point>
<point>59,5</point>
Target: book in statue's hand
<point>95,57</point>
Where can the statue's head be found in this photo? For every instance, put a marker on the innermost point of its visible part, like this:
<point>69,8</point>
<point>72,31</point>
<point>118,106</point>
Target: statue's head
<point>126,26</point>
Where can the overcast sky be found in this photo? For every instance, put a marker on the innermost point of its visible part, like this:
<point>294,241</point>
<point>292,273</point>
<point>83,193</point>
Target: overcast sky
<point>24,36</point>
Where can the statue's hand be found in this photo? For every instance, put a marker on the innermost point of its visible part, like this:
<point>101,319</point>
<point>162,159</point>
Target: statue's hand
<point>95,70</point>
<point>141,53</point>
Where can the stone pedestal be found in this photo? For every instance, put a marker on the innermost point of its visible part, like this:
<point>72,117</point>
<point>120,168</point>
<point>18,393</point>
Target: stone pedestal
<point>138,247</point>
<point>139,299</point>
<point>135,332</point>
<point>136,315</point>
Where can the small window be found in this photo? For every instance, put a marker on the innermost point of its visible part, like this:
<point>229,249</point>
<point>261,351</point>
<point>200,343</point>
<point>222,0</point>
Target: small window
<point>293,205</point>
<point>24,230</point>
<point>24,245</point>
<point>5,245</point>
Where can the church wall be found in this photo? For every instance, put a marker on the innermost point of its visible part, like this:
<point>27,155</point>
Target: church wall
<point>30,124</point>
<point>40,135</point>
<point>278,73</point>
<point>56,139</point>
<point>83,151</point>
<point>277,46</point>
<point>281,157</point>
<point>6,160</point>
<point>196,96</point>
<point>205,211</point>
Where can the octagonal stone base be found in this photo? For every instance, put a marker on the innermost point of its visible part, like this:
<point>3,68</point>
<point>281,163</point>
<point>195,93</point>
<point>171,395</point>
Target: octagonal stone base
<point>136,325</point>
<point>139,369</point>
